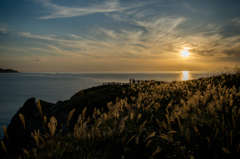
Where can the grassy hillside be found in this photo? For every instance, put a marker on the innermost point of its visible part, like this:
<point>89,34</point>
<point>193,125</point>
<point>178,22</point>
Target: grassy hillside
<point>187,119</point>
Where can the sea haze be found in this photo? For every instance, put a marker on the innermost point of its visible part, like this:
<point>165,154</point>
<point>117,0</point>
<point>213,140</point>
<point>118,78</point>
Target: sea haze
<point>16,88</point>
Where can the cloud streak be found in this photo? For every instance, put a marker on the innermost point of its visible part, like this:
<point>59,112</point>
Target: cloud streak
<point>236,21</point>
<point>58,11</point>
<point>4,28</point>
<point>151,37</point>
<point>164,36</point>
<point>157,37</point>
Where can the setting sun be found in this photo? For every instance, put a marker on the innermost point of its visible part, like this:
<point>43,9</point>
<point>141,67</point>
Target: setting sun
<point>185,53</point>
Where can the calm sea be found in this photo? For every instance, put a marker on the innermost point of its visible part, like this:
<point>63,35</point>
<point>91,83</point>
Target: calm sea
<point>16,88</point>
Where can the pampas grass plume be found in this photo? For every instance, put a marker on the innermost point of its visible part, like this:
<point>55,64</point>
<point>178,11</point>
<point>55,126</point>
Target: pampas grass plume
<point>39,107</point>
<point>70,116</point>
<point>3,147</point>
<point>25,152</point>
<point>22,118</point>
<point>151,135</point>
<point>5,132</point>
<point>52,125</point>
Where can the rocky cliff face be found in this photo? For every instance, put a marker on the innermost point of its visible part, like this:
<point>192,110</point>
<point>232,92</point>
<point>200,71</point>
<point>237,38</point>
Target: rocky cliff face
<point>18,136</point>
<point>91,98</point>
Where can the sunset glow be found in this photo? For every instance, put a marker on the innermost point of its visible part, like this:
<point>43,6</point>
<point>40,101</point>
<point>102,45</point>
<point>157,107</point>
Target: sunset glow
<point>185,53</point>
<point>185,75</point>
<point>119,35</point>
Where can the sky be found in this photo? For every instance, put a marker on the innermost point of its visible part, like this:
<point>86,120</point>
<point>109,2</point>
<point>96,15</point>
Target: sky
<point>119,35</point>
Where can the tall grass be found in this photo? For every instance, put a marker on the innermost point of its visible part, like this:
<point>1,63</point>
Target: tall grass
<point>185,119</point>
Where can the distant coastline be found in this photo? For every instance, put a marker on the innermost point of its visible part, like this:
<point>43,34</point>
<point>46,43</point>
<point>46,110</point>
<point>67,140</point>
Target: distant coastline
<point>8,71</point>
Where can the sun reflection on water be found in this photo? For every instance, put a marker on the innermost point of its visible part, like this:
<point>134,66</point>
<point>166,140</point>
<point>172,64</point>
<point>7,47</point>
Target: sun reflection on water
<point>185,75</point>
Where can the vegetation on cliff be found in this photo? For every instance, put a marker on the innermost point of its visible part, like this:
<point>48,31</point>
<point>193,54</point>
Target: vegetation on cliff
<point>182,119</point>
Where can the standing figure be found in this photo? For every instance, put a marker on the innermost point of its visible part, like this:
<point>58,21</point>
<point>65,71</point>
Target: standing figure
<point>133,81</point>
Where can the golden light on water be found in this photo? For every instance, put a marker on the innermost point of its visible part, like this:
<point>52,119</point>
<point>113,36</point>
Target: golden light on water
<point>185,75</point>
<point>185,53</point>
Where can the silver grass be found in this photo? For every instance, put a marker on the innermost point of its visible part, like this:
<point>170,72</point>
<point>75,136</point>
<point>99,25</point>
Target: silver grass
<point>79,121</point>
<point>94,114</point>
<point>179,124</point>
<point>52,125</point>
<point>123,139</point>
<point>121,128</point>
<point>130,139</point>
<point>209,141</point>
<point>234,122</point>
<point>164,125</point>
<point>226,150</point>
<point>5,132</point>
<point>168,120</point>
<point>109,105</point>
<point>131,116</point>
<point>104,117</point>
<point>113,110</point>
<point>45,120</point>
<point>36,136</point>
<point>35,153</point>
<point>216,134</point>
<point>139,117</point>
<point>122,121</point>
<point>39,107</point>
<point>110,131</point>
<point>88,136</point>
<point>70,116</point>
<point>238,147</point>
<point>137,139</point>
<point>142,127</point>
<point>159,124</point>
<point>95,127</point>
<point>104,136</point>
<point>150,135</point>
<point>156,151</point>
<point>25,152</point>
<point>22,118</point>
<point>148,143</point>
<point>3,147</point>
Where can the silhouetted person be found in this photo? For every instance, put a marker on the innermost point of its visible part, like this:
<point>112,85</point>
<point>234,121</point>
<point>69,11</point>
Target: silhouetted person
<point>130,80</point>
<point>133,81</point>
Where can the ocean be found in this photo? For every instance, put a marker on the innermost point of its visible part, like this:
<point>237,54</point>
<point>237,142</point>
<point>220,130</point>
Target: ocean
<point>16,88</point>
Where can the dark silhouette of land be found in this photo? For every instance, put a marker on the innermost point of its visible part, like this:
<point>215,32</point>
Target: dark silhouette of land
<point>8,71</point>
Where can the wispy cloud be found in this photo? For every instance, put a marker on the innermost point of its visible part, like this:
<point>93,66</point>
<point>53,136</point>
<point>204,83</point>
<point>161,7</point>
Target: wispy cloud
<point>162,36</point>
<point>4,28</point>
<point>159,38</point>
<point>152,37</point>
<point>10,48</point>
<point>33,59</point>
<point>58,11</point>
<point>190,7</point>
<point>29,35</point>
<point>236,21</point>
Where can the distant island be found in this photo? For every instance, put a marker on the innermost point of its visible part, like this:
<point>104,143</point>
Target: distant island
<point>8,71</point>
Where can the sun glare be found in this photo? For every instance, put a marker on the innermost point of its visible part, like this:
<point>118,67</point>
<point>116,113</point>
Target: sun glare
<point>185,75</point>
<point>185,53</point>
